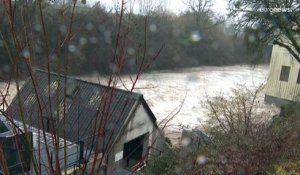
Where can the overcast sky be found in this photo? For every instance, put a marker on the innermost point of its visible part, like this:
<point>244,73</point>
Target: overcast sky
<point>177,6</point>
<point>219,6</point>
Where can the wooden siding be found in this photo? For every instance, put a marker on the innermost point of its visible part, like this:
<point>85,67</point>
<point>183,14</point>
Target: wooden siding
<point>286,90</point>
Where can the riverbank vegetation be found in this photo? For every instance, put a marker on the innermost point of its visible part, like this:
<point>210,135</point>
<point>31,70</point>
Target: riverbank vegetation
<point>244,138</point>
<point>195,37</point>
<point>73,38</point>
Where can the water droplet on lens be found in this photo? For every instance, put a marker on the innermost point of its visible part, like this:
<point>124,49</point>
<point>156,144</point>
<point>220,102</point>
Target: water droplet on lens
<point>93,40</point>
<point>26,53</point>
<point>72,48</point>
<point>130,51</point>
<point>62,28</point>
<point>89,26</point>
<point>185,141</point>
<point>251,38</point>
<point>153,28</point>
<point>82,41</point>
<point>37,27</point>
<point>195,36</point>
<point>201,159</point>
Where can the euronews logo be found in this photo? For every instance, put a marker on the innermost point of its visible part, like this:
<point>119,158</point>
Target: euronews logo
<point>276,10</point>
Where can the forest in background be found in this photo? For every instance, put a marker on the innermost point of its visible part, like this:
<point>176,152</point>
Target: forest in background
<point>193,38</point>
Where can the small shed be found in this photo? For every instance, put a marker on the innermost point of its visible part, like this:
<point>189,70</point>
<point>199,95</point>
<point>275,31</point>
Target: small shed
<point>194,138</point>
<point>283,83</point>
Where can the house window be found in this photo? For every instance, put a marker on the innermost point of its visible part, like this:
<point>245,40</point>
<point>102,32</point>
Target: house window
<point>133,151</point>
<point>298,78</point>
<point>285,73</point>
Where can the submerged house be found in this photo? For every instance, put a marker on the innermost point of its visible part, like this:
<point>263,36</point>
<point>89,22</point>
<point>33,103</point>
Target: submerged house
<point>283,83</point>
<point>117,124</point>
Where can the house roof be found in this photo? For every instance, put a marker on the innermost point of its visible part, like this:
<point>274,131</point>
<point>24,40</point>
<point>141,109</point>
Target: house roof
<point>196,135</point>
<point>87,106</point>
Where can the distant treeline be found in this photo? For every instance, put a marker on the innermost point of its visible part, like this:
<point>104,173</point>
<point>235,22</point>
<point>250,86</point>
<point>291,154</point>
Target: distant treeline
<point>185,40</point>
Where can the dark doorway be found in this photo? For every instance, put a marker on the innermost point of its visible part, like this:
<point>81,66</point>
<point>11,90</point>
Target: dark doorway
<point>133,151</point>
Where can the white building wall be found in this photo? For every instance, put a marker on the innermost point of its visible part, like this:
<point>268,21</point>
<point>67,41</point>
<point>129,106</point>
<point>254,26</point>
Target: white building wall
<point>285,90</point>
<point>140,124</point>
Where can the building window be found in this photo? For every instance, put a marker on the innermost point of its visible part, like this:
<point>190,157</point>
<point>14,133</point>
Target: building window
<point>298,78</point>
<point>285,73</point>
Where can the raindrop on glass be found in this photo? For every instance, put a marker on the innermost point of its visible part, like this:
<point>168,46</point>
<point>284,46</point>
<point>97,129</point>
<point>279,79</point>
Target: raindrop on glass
<point>261,35</point>
<point>107,36</point>
<point>131,61</point>
<point>101,28</point>
<point>178,169</point>
<point>153,28</point>
<point>185,141</point>
<point>176,58</point>
<point>251,38</point>
<point>82,41</point>
<point>107,40</point>
<point>223,159</point>
<point>38,49</point>
<point>62,28</point>
<point>37,27</point>
<point>53,56</point>
<point>6,68</point>
<point>114,68</point>
<point>195,36</point>
<point>93,40</point>
<point>201,159</point>
<point>72,48</point>
<point>130,51</point>
<point>215,45</point>
<point>176,32</point>
<point>107,33</point>
<point>89,26</point>
<point>277,31</point>
<point>26,53</point>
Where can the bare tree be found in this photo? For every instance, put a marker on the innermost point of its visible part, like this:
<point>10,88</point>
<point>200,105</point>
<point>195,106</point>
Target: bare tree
<point>147,7</point>
<point>246,137</point>
<point>277,21</point>
<point>27,23</point>
<point>199,8</point>
<point>202,11</point>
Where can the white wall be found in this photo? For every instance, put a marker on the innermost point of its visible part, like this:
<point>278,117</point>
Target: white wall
<point>286,90</point>
<point>140,124</point>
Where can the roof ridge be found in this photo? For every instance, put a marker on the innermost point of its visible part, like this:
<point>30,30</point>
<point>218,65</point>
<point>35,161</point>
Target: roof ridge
<point>138,95</point>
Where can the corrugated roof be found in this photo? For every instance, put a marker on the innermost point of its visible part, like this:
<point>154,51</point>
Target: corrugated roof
<point>87,107</point>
